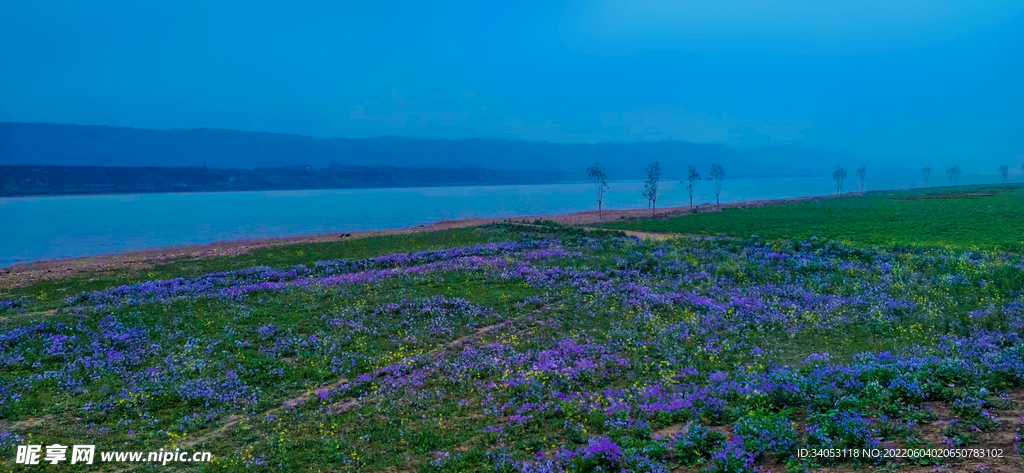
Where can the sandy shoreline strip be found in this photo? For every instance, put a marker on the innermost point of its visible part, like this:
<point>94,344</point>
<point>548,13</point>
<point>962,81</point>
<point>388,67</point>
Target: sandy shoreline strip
<point>30,273</point>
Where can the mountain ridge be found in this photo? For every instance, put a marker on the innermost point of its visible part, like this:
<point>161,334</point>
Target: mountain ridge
<point>47,144</point>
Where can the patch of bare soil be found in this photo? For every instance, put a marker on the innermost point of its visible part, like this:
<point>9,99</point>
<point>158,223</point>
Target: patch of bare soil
<point>27,423</point>
<point>651,235</point>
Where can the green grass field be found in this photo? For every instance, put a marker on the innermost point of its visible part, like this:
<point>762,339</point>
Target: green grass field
<point>969,217</point>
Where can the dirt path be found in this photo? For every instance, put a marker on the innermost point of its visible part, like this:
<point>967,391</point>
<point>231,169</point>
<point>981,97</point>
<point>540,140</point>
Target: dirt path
<point>27,274</point>
<point>647,235</point>
<point>651,235</point>
<point>643,235</point>
<point>28,316</point>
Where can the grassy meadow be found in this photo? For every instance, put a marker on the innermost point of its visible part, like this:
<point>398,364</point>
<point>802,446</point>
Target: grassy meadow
<point>965,217</point>
<point>887,321</point>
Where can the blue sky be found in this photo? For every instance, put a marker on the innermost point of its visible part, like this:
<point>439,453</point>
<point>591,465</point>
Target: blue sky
<point>909,79</point>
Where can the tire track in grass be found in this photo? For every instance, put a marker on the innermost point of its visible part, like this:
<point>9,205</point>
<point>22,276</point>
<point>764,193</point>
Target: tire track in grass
<point>662,236</point>
<point>643,235</point>
<point>234,420</point>
<point>28,316</point>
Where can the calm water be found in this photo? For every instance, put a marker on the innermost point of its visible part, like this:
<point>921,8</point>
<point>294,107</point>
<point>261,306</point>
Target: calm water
<point>38,228</point>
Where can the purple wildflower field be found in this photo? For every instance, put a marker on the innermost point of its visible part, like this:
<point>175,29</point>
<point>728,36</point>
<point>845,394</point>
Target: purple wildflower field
<point>567,353</point>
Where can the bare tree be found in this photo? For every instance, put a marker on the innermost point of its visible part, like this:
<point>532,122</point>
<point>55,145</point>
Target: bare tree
<point>839,175</point>
<point>1004,171</point>
<point>862,175</point>
<point>716,177</point>
<point>653,172</point>
<point>953,174</point>
<point>927,171</point>
<point>692,176</point>
<point>598,174</point>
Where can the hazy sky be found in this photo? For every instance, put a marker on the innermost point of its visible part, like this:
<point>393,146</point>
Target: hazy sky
<point>927,79</point>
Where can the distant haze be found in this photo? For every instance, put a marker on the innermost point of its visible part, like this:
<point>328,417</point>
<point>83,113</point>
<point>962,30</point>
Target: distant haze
<point>72,145</point>
<point>897,81</point>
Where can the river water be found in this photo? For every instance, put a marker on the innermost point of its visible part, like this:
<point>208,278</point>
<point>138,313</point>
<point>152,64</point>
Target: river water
<point>39,228</point>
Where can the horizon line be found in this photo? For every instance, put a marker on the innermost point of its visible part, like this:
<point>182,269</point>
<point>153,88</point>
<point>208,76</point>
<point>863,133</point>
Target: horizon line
<point>201,128</point>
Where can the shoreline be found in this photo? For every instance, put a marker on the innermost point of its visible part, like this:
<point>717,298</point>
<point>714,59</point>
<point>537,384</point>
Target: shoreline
<point>24,274</point>
<point>282,189</point>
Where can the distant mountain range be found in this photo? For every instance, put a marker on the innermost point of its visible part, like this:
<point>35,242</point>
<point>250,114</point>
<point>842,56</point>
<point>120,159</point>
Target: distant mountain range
<point>60,180</point>
<point>42,144</point>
